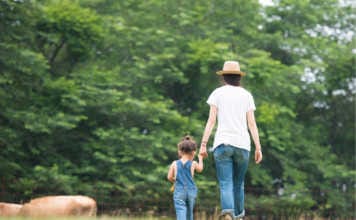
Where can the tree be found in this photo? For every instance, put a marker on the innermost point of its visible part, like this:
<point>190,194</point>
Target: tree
<point>96,95</point>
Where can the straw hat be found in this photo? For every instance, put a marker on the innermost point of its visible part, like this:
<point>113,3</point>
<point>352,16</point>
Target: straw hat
<point>231,67</point>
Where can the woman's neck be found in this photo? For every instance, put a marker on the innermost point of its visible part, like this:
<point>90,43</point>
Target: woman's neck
<point>226,84</point>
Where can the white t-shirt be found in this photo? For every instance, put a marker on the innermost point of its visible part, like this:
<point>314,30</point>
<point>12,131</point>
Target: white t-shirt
<point>232,102</point>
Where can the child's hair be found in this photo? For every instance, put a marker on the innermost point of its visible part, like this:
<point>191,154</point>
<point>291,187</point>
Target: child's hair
<point>187,145</point>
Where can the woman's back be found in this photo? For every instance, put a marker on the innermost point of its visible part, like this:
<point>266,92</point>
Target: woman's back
<point>232,103</point>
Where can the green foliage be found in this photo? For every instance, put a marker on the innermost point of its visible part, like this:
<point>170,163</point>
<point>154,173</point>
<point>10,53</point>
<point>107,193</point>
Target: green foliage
<point>96,94</point>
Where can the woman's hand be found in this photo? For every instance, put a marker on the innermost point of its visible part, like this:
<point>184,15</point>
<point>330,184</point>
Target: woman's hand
<point>258,156</point>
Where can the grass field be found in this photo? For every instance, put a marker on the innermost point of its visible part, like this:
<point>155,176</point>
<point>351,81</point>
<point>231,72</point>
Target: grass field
<point>144,218</point>
<point>90,218</point>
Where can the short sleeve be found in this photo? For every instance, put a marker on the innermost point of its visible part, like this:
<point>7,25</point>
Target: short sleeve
<point>250,103</point>
<point>212,100</point>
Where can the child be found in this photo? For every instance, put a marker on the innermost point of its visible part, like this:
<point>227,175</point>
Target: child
<point>181,173</point>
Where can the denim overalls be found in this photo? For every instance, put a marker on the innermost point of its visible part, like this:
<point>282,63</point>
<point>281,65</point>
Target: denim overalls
<point>185,191</point>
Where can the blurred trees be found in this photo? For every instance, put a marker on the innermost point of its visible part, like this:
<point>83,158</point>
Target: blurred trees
<point>96,94</point>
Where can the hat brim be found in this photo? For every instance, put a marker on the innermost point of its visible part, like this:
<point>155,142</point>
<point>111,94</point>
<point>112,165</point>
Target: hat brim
<point>222,72</point>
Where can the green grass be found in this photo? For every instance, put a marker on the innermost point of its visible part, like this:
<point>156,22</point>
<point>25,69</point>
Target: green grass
<point>90,218</point>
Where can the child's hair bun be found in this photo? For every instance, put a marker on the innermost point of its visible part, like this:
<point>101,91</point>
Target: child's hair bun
<point>187,144</point>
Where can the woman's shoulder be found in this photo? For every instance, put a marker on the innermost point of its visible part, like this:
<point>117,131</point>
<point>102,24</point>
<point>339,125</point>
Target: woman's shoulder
<point>227,88</point>
<point>219,89</point>
<point>247,92</point>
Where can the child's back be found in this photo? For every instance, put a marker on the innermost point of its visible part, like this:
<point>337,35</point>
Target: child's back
<point>184,178</point>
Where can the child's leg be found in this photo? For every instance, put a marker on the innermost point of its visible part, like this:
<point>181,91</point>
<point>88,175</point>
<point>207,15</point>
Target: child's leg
<point>181,209</point>
<point>192,194</point>
<point>180,204</point>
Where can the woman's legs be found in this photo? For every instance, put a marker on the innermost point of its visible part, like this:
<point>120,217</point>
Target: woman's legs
<point>231,166</point>
<point>240,158</point>
<point>224,172</point>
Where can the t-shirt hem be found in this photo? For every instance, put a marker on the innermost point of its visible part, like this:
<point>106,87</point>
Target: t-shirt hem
<point>248,148</point>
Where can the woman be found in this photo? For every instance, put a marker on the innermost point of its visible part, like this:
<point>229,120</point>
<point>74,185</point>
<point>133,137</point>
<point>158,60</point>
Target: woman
<point>234,107</point>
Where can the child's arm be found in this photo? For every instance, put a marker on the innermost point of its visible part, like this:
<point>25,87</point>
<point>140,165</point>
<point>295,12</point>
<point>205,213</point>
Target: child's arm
<point>171,172</point>
<point>200,165</point>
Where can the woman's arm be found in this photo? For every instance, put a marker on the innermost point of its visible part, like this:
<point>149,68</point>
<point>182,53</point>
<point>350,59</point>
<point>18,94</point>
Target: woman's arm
<point>171,176</point>
<point>208,128</point>
<point>251,122</point>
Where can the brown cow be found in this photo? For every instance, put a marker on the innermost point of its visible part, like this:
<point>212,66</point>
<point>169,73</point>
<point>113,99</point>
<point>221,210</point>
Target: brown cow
<point>59,206</point>
<point>9,209</point>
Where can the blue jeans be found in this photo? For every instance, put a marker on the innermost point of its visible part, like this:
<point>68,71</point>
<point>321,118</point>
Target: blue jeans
<point>184,200</point>
<point>231,166</point>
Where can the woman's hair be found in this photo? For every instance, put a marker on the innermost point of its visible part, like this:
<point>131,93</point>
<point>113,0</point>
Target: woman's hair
<point>187,145</point>
<point>232,79</point>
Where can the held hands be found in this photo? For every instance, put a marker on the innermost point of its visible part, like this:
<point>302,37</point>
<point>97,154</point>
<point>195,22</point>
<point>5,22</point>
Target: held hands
<point>200,157</point>
<point>202,150</point>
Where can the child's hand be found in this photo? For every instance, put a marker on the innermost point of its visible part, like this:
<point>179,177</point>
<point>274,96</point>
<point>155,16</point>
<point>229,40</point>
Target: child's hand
<point>200,157</point>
